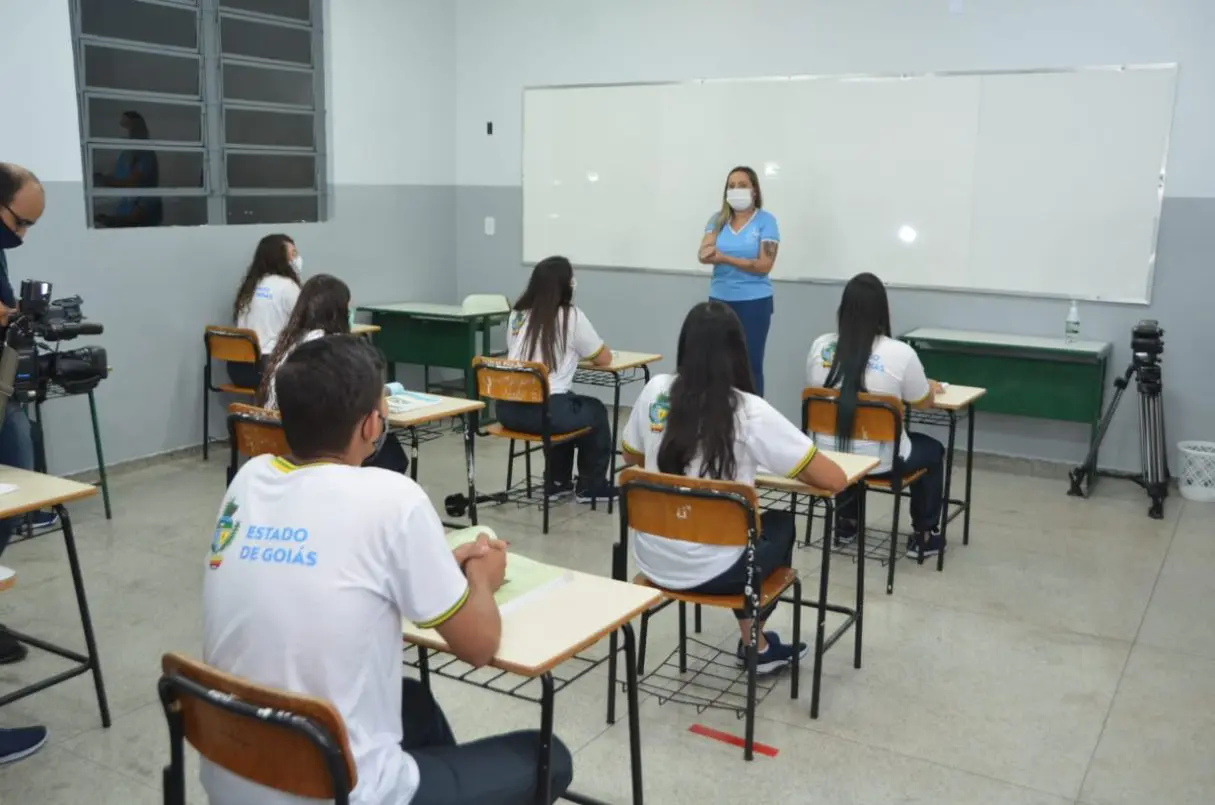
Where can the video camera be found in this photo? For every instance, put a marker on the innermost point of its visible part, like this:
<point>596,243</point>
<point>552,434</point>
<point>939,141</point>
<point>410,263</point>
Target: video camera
<point>28,367</point>
<point>1147,341</point>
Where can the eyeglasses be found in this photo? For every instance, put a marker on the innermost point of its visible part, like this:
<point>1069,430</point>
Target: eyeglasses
<point>22,223</point>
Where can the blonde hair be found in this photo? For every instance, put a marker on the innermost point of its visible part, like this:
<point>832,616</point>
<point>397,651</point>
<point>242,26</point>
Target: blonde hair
<point>727,211</point>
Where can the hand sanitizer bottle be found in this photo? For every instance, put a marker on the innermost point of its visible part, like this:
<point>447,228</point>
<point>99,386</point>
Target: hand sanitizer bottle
<point>1071,329</point>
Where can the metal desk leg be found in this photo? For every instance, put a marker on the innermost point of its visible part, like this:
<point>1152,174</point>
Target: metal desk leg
<point>970,464</point>
<point>413,453</point>
<point>630,661</point>
<point>820,627</point>
<point>90,641</point>
<point>953,431</point>
<point>470,435</point>
<point>105,483</point>
<point>544,766</point>
<point>615,431</point>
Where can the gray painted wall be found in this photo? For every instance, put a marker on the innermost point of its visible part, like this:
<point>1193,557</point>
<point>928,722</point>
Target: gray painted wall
<point>156,289</point>
<point>644,312</point>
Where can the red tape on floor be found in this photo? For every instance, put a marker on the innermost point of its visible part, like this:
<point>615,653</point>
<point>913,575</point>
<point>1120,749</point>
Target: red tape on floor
<point>732,740</point>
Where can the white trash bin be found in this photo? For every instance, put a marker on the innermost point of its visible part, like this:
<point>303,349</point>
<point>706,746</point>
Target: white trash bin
<point>1197,478</point>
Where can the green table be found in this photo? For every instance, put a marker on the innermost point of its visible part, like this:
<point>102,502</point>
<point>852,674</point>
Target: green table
<point>1048,378</point>
<point>429,335</point>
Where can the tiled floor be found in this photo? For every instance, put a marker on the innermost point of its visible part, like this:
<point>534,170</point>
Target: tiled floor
<point>1066,656</point>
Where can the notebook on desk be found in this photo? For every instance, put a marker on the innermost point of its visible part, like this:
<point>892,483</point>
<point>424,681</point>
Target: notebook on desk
<point>524,577</point>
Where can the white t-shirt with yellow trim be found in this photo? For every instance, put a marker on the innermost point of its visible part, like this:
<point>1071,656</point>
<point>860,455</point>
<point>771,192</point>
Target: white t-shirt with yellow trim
<point>762,437</point>
<point>580,342</point>
<point>309,574</point>
<point>894,368</point>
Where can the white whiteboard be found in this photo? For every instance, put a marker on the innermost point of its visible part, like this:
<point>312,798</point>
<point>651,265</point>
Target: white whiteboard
<point>1044,183</point>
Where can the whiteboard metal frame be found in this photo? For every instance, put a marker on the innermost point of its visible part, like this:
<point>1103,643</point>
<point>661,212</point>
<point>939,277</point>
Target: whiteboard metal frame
<point>1168,136</point>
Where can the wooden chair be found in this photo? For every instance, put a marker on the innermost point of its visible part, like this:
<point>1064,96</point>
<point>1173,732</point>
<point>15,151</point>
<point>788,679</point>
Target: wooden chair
<point>291,743</point>
<point>705,512</point>
<point>506,380</point>
<point>225,344</point>
<point>878,418</point>
<point>253,431</point>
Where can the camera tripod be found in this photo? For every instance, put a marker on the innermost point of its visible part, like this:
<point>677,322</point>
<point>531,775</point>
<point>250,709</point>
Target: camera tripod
<point>1147,345</point>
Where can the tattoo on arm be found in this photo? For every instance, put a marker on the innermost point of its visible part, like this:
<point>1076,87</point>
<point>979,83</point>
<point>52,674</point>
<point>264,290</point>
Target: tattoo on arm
<point>770,247</point>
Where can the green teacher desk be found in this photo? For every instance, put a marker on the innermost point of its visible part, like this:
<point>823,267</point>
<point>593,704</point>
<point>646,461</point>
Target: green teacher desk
<point>1048,378</point>
<point>429,335</point>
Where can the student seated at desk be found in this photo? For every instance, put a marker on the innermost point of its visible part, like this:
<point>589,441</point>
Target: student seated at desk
<point>546,327</point>
<point>322,309</point>
<point>313,563</point>
<point>265,300</point>
<point>864,357</point>
<point>705,421</point>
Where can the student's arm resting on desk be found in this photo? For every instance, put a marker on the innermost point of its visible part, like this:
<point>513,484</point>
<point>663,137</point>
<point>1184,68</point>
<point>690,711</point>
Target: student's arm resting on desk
<point>778,445</point>
<point>587,343</point>
<point>427,584</point>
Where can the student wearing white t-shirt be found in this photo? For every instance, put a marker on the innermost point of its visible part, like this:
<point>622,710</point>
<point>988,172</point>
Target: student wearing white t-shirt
<point>546,327</point>
<point>323,309</point>
<point>704,421</point>
<point>864,357</point>
<point>265,300</point>
<point>313,563</point>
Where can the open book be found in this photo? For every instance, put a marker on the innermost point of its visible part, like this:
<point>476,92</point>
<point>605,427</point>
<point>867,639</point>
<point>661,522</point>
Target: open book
<point>524,577</point>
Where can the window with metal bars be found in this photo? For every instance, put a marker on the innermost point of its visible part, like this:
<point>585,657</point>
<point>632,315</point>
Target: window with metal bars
<point>197,112</point>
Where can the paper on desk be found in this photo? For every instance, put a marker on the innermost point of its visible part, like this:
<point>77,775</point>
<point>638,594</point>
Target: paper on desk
<point>6,488</point>
<point>409,401</point>
<point>524,577</point>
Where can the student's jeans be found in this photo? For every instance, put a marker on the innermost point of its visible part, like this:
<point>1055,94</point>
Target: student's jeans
<point>246,375</point>
<point>778,532</point>
<point>16,450</point>
<point>755,316</point>
<point>568,412</point>
<point>492,771</point>
<point>391,456</point>
<point>927,493</point>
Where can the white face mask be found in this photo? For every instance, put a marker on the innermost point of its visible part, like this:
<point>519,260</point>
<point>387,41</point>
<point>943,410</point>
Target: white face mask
<point>297,263</point>
<point>739,198</point>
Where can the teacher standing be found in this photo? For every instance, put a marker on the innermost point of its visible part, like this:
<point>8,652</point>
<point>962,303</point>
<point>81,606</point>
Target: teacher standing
<point>740,242</point>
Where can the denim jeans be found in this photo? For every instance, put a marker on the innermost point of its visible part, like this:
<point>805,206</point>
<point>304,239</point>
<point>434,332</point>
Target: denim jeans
<point>568,412</point>
<point>755,316</point>
<point>16,450</point>
<point>927,494</point>
<point>777,533</point>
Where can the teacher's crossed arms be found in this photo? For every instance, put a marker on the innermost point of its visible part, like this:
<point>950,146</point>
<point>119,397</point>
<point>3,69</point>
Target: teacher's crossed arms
<point>740,242</point>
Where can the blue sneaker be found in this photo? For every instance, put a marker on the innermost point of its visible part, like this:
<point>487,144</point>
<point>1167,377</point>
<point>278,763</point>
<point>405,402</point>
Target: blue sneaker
<point>925,544</point>
<point>778,655</point>
<point>44,520</point>
<point>20,743</point>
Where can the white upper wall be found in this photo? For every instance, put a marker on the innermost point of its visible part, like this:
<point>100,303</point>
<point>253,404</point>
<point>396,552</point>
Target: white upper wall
<point>390,91</point>
<point>503,46</point>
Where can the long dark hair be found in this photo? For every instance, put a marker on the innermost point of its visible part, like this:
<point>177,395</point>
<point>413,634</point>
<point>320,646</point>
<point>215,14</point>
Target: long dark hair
<point>270,257</point>
<point>711,365</point>
<point>549,293</point>
<point>727,211</point>
<point>863,316</point>
<point>324,304</point>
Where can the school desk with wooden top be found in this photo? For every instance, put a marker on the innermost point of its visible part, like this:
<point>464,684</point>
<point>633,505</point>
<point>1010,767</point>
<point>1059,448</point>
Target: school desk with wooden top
<point>855,468</point>
<point>625,368</point>
<point>364,329</point>
<point>35,491</point>
<point>443,408</point>
<point>542,631</point>
<point>429,334</point>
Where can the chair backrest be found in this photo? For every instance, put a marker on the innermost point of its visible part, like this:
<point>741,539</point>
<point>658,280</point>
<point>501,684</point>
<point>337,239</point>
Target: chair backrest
<point>231,344</point>
<point>879,417</point>
<point>285,741</point>
<point>255,431</point>
<point>697,510</point>
<point>508,380</point>
<point>486,303</point>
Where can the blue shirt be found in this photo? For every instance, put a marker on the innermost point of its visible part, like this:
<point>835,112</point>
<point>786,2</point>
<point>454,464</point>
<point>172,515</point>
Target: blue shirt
<point>732,284</point>
<point>149,176</point>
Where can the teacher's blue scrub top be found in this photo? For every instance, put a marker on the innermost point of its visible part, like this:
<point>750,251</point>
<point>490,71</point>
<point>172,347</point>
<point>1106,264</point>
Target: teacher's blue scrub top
<point>732,284</point>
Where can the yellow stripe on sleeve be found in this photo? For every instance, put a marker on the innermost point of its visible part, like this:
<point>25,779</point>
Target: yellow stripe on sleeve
<point>805,462</point>
<point>452,610</point>
<point>628,448</point>
<point>595,354</point>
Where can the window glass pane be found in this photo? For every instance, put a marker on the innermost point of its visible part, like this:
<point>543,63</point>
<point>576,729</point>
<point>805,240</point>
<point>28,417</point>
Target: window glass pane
<point>243,83</point>
<point>248,127</point>
<point>295,9</point>
<point>108,117</point>
<point>265,41</point>
<point>111,68</point>
<point>115,213</point>
<point>271,171</point>
<point>272,209</point>
<point>114,167</point>
<point>140,22</point>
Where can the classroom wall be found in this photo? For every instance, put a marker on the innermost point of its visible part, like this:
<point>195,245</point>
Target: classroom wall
<point>503,46</point>
<point>390,89</point>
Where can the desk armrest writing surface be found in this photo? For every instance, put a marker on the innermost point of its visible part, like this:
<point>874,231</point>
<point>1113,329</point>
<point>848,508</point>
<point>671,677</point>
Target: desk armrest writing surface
<point>547,628</point>
<point>445,407</point>
<point>955,398</point>
<point>622,360</point>
<point>855,468</point>
<point>364,329</point>
<point>36,491</point>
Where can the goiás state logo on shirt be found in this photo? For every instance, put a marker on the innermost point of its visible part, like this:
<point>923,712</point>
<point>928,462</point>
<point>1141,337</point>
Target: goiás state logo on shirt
<point>516,322</point>
<point>226,529</point>
<point>659,410</point>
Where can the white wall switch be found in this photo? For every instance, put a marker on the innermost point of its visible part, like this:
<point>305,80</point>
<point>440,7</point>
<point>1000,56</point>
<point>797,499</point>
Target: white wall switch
<point>490,225</point>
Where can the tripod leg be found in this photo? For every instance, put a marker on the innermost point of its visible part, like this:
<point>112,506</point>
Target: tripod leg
<point>1082,476</point>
